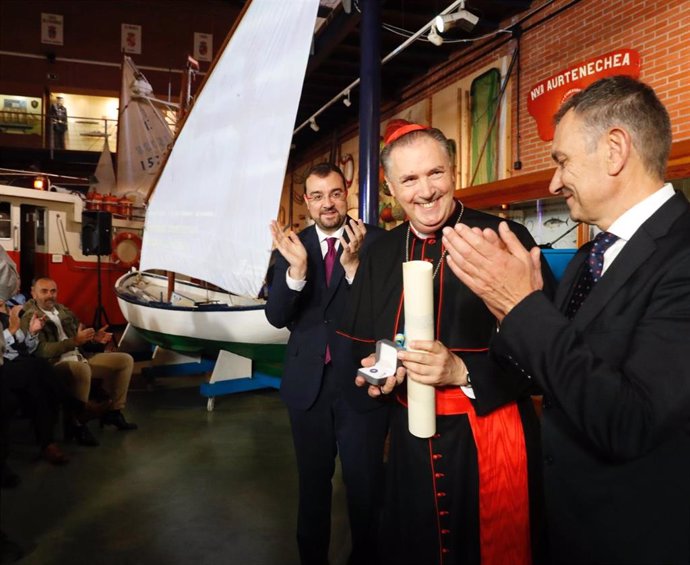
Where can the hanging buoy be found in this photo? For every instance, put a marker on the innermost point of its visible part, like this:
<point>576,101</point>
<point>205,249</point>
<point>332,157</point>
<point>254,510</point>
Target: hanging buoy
<point>126,247</point>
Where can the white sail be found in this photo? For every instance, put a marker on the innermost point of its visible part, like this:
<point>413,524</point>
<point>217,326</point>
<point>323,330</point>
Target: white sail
<point>105,172</point>
<point>144,136</point>
<point>221,185</point>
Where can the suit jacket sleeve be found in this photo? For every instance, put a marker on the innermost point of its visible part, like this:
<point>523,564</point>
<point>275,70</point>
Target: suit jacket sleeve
<point>283,304</point>
<point>624,383</point>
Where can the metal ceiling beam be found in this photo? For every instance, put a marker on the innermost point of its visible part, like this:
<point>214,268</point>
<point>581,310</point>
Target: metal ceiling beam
<point>336,31</point>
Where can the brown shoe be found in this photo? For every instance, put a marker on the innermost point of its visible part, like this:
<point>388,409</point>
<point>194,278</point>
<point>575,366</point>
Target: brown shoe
<point>93,410</point>
<point>53,454</point>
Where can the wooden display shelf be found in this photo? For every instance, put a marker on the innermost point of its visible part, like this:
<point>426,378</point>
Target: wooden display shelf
<point>534,186</point>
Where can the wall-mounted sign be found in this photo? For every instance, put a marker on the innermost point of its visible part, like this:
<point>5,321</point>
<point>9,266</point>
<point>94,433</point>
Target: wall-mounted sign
<point>51,29</point>
<point>203,46</point>
<point>131,39</point>
<point>544,99</point>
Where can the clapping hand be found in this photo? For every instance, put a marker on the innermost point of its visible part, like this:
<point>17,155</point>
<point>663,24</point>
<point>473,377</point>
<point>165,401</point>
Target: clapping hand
<point>102,336</point>
<point>84,335</point>
<point>349,258</point>
<point>36,324</point>
<point>495,266</point>
<point>14,318</point>
<point>290,247</point>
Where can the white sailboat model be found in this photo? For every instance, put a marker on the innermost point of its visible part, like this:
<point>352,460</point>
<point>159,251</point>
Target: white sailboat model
<point>218,191</point>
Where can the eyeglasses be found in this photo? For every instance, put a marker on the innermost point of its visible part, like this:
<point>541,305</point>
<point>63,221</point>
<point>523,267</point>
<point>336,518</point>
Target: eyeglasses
<point>335,195</point>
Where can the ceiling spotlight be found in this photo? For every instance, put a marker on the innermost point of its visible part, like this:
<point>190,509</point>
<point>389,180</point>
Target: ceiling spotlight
<point>347,100</point>
<point>313,125</point>
<point>434,37</point>
<point>462,19</point>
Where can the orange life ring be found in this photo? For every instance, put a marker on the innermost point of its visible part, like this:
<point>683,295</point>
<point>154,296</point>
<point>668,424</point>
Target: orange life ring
<point>126,249</point>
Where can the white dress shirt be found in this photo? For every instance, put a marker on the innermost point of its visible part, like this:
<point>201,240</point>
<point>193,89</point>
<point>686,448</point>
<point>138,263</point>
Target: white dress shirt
<point>294,284</point>
<point>628,223</point>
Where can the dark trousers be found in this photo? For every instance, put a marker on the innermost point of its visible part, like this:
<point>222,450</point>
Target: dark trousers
<point>331,427</point>
<point>58,139</point>
<point>8,406</point>
<point>38,391</point>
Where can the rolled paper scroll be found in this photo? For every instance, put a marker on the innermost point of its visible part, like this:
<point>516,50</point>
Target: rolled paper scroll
<point>418,286</point>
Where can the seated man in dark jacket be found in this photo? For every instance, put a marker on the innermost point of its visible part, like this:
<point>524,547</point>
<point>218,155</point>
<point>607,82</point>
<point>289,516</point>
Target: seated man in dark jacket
<point>36,387</point>
<point>63,341</point>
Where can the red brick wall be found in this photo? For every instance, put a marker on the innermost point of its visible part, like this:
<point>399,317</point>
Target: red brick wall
<point>576,31</point>
<point>658,29</point>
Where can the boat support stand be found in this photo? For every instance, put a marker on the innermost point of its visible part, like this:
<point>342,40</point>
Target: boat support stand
<point>231,373</point>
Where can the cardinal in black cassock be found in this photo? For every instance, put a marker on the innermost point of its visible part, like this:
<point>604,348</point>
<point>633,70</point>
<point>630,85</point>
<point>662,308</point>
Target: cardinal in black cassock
<point>471,494</point>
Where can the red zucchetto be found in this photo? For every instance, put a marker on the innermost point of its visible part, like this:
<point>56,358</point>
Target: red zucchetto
<point>397,128</point>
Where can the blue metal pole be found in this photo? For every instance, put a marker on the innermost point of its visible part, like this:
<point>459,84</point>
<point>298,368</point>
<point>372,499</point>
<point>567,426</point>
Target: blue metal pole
<point>369,109</point>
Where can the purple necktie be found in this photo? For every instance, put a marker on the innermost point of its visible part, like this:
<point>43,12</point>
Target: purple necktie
<point>328,262</point>
<point>329,258</point>
<point>591,273</point>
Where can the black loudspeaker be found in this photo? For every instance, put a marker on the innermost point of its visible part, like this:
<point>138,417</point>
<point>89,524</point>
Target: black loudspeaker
<point>96,232</point>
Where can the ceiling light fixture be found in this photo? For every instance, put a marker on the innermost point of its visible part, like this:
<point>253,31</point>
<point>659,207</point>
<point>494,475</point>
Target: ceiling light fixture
<point>347,100</point>
<point>434,37</point>
<point>313,125</point>
<point>337,98</point>
<point>462,19</point>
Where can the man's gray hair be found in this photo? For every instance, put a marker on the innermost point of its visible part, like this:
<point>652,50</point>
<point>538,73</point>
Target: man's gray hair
<point>628,103</point>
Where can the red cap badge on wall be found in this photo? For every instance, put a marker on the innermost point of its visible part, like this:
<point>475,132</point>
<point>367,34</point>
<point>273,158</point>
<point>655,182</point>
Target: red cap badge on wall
<point>544,99</point>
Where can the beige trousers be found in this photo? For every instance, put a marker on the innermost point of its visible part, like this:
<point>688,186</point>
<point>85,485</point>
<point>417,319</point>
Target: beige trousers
<point>115,369</point>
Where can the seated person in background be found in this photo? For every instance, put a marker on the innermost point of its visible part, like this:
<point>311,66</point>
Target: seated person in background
<point>9,283</point>
<point>36,387</point>
<point>61,340</point>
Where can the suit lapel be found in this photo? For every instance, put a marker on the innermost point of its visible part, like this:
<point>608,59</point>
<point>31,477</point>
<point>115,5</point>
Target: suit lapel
<point>570,277</point>
<point>313,247</point>
<point>635,253</point>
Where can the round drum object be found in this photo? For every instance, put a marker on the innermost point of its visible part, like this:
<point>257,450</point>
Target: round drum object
<point>94,201</point>
<point>111,204</point>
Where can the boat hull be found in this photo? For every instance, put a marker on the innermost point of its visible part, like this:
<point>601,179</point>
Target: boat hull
<point>198,327</point>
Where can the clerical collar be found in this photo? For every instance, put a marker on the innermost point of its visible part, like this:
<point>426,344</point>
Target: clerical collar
<point>457,217</point>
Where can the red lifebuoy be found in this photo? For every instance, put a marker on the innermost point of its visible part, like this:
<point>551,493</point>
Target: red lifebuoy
<point>126,247</point>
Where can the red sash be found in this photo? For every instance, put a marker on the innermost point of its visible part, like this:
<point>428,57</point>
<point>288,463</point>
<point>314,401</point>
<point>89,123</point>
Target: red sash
<point>504,530</point>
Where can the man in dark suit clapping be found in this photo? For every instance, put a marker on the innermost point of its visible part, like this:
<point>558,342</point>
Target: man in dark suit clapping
<point>611,352</point>
<point>328,413</point>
